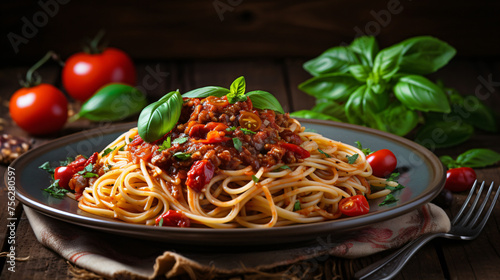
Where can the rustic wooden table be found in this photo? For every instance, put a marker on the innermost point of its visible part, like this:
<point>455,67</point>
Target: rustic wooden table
<point>440,259</point>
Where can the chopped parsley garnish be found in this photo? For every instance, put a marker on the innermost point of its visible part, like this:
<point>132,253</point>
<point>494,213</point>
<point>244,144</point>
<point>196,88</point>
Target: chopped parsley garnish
<point>232,128</point>
<point>182,156</point>
<point>87,171</point>
<point>56,191</point>
<point>122,149</point>
<point>365,151</point>
<point>237,144</point>
<point>297,206</point>
<point>180,140</point>
<point>352,159</point>
<point>255,179</point>
<point>389,199</point>
<point>393,177</point>
<point>46,166</point>
<point>161,222</point>
<point>326,155</point>
<point>396,188</point>
<point>108,151</point>
<point>247,131</point>
<point>66,162</point>
<point>165,145</point>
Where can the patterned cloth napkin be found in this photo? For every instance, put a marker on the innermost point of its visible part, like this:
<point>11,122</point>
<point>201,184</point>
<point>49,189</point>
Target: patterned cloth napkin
<point>115,256</point>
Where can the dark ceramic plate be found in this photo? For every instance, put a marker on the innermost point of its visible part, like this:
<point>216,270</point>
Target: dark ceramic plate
<point>421,173</point>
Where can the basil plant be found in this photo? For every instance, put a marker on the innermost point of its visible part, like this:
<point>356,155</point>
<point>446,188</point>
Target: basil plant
<point>383,89</point>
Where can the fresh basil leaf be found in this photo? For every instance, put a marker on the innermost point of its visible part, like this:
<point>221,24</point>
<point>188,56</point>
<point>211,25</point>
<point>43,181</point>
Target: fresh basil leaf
<point>477,114</point>
<point>237,144</point>
<point>442,134</point>
<point>180,140</point>
<point>424,55</point>
<point>336,87</point>
<point>352,159</point>
<point>111,103</point>
<point>237,91</point>
<point>418,93</point>
<point>387,62</point>
<point>366,47</point>
<point>265,100</point>
<point>182,156</point>
<point>297,206</point>
<point>448,161</point>
<point>283,167</point>
<point>55,191</point>
<point>255,179</point>
<point>333,60</point>
<point>397,119</point>
<point>360,72</point>
<point>476,158</point>
<point>206,92</point>
<point>389,199</point>
<point>364,104</point>
<point>330,108</point>
<point>46,166</point>
<point>160,117</point>
<point>308,114</point>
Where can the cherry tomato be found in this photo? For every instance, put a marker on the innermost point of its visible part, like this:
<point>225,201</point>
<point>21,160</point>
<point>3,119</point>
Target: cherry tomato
<point>173,218</point>
<point>64,174</point>
<point>354,206</point>
<point>250,121</point>
<point>40,109</point>
<point>78,164</point>
<point>383,162</point>
<point>83,73</point>
<point>216,101</point>
<point>300,152</point>
<point>460,179</point>
<point>200,174</point>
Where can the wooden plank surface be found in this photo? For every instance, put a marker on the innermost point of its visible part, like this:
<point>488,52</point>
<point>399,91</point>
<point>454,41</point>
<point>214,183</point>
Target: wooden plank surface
<point>437,260</point>
<point>237,28</point>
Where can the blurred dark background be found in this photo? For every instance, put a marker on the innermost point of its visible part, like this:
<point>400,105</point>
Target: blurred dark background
<point>225,29</point>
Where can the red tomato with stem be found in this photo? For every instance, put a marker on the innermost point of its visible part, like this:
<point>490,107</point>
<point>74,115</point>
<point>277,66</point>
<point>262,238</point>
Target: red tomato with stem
<point>85,73</point>
<point>41,109</point>
<point>460,179</point>
<point>354,206</point>
<point>383,162</point>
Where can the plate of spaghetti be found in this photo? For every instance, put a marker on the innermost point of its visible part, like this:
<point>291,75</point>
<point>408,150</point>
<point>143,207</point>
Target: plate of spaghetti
<point>224,167</point>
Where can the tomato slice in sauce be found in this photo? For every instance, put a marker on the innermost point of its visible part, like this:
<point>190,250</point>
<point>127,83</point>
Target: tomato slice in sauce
<point>300,152</point>
<point>250,121</point>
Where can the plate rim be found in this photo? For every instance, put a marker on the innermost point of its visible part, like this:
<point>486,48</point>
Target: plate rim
<point>320,228</point>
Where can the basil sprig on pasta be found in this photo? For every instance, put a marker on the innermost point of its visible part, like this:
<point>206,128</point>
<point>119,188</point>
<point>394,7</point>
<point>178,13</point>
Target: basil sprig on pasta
<point>160,117</point>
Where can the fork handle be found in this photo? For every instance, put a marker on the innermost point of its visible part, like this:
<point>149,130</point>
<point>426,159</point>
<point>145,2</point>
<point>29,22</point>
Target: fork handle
<point>389,266</point>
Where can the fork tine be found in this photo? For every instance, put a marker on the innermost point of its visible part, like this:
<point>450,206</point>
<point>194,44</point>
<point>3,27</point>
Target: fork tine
<point>464,205</point>
<point>487,215</point>
<point>481,208</point>
<point>464,221</point>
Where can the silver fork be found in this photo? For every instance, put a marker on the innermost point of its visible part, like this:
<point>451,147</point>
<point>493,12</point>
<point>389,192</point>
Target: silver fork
<point>462,228</point>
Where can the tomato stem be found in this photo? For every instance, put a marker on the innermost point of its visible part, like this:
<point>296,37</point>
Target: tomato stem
<point>93,47</point>
<point>32,77</point>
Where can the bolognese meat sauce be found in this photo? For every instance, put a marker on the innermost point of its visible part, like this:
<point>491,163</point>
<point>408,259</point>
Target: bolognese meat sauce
<point>215,133</point>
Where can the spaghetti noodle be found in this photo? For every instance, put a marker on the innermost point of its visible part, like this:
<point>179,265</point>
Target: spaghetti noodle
<point>223,166</point>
